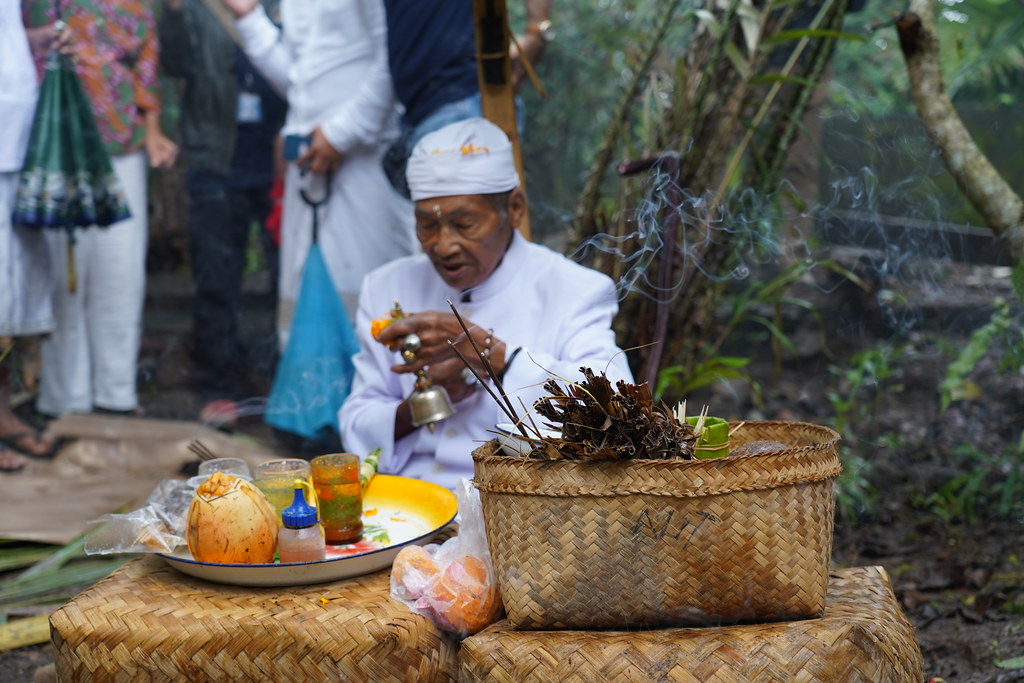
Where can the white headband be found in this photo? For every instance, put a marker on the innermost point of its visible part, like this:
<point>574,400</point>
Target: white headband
<point>472,156</point>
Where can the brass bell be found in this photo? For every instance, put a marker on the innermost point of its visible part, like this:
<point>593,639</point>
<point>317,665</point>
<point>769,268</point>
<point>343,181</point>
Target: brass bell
<point>429,403</point>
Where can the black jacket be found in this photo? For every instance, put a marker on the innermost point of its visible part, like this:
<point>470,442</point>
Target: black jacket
<point>196,48</point>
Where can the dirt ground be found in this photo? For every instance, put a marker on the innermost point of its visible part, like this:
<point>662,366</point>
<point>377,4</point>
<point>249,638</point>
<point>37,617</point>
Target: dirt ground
<point>954,560</point>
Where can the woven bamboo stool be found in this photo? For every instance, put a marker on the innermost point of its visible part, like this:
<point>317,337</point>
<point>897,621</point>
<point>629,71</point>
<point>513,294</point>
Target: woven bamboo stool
<point>863,636</point>
<point>148,622</point>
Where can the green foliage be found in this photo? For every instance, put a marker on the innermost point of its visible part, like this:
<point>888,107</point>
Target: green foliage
<point>855,494</point>
<point>956,385</point>
<point>993,482</point>
<point>861,385</point>
<point>51,575</point>
<point>981,55</point>
<point>679,382</point>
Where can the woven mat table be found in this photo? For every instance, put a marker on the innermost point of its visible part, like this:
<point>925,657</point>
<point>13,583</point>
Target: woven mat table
<point>863,636</point>
<point>148,622</point>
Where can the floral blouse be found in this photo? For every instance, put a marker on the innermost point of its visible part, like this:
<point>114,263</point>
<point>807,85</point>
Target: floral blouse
<point>115,46</point>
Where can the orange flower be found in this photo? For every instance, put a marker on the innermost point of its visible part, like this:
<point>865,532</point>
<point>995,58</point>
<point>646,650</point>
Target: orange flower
<point>376,326</point>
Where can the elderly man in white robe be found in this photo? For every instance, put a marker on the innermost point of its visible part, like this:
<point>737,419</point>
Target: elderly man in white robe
<point>536,313</point>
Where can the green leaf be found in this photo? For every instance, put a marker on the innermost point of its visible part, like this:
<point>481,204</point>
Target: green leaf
<point>973,351</point>
<point>778,334</point>
<point>1012,663</point>
<point>1017,279</point>
<point>16,558</point>
<point>739,62</point>
<point>55,560</point>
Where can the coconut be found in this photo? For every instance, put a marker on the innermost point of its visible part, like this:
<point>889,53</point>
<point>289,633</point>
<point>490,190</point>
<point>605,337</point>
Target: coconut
<point>230,521</point>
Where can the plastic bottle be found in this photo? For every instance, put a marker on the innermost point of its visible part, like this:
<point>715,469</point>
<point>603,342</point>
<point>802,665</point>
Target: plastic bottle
<point>300,539</point>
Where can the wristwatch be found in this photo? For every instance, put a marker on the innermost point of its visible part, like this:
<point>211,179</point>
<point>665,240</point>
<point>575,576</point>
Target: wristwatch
<point>544,29</point>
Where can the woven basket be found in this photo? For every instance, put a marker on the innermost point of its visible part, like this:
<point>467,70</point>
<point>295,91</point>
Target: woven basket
<point>645,543</point>
<point>862,637</point>
<point>147,622</point>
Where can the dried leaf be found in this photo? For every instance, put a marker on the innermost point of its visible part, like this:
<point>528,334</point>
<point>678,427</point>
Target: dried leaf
<point>598,423</point>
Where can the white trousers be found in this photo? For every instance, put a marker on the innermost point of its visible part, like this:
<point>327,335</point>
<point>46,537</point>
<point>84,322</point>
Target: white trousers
<point>24,271</point>
<point>90,359</point>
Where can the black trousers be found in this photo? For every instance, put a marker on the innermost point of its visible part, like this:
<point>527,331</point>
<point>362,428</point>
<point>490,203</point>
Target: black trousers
<point>220,220</point>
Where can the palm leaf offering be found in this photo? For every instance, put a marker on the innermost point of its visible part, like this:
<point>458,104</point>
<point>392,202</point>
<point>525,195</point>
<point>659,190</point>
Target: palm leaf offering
<point>49,576</point>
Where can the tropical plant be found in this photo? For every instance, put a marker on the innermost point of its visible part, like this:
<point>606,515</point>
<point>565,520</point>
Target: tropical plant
<point>713,126</point>
<point>991,480</point>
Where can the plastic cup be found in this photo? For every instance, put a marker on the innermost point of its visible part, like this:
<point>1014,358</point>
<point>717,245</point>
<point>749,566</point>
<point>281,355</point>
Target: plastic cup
<point>276,479</point>
<point>236,467</point>
<point>336,480</point>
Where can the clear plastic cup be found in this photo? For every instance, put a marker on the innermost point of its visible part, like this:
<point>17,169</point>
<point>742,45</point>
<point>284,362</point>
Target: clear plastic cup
<point>234,466</point>
<point>276,479</point>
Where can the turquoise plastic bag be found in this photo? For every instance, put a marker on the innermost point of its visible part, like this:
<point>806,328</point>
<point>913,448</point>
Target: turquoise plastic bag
<point>315,373</point>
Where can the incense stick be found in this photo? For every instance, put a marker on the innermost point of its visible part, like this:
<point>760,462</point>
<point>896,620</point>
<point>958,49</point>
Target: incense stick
<point>508,409</point>
<point>511,415</point>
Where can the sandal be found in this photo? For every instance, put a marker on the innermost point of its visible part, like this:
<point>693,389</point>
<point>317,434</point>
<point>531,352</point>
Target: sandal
<point>11,461</point>
<point>17,442</point>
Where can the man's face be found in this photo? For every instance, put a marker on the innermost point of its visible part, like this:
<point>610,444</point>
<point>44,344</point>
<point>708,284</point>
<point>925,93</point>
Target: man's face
<point>464,237</point>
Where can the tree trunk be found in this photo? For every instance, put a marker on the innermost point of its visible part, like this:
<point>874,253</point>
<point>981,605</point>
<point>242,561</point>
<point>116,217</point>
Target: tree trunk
<point>987,191</point>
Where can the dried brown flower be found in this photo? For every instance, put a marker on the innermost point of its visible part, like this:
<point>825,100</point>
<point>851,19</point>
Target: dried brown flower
<point>599,423</point>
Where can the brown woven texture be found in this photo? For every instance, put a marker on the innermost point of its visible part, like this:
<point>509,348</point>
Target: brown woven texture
<point>647,543</point>
<point>148,622</point>
<point>863,636</point>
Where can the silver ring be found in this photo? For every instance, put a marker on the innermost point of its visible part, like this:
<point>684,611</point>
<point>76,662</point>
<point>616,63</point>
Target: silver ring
<point>411,342</point>
<point>467,376</point>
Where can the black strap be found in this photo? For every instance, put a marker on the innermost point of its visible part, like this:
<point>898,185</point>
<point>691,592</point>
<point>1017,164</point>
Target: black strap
<point>315,205</point>
<point>508,362</point>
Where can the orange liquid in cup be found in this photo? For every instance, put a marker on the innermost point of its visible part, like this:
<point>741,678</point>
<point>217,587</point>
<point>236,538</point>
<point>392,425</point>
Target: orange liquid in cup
<point>336,480</point>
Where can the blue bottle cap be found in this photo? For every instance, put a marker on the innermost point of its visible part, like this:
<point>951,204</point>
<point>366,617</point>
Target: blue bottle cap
<point>299,514</point>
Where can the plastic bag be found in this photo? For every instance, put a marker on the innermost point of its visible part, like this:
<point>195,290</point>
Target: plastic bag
<point>156,527</point>
<point>452,584</point>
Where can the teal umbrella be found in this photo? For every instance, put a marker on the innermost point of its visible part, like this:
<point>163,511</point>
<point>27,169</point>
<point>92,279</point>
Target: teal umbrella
<point>315,373</point>
<point>67,180</point>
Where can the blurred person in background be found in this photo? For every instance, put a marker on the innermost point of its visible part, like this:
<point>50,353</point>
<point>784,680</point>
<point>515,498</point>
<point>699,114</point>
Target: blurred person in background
<point>331,60</point>
<point>230,117</point>
<point>24,260</point>
<point>89,362</point>
<point>433,62</point>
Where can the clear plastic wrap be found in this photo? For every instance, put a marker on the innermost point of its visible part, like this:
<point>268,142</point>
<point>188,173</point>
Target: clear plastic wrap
<point>157,527</point>
<point>452,584</point>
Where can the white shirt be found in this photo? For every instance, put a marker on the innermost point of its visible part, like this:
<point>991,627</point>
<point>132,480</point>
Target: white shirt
<point>18,91</point>
<point>331,60</point>
<point>559,312</point>
<point>331,63</point>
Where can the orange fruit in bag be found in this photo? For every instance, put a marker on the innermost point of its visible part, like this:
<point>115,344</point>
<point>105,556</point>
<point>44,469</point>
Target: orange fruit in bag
<point>413,570</point>
<point>464,598</point>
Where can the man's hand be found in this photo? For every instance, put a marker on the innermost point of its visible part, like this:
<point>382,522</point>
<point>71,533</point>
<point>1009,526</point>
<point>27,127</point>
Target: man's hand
<point>43,38</point>
<point>321,157</point>
<point>443,365</point>
<point>162,152</point>
<point>240,8</point>
<point>533,47</point>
